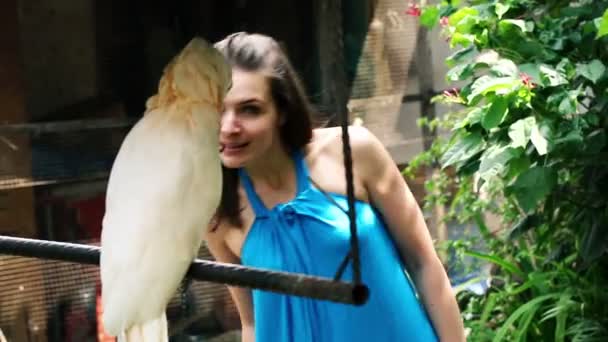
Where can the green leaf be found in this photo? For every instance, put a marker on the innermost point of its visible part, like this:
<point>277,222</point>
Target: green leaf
<point>488,307</point>
<point>465,286</point>
<point>566,67</point>
<point>482,38</point>
<point>494,160</point>
<point>595,141</point>
<point>534,281</point>
<point>576,11</point>
<point>430,16</point>
<point>529,306</point>
<point>500,9</point>
<point>525,224</point>
<point>504,67</point>
<point>532,186</point>
<point>565,101</point>
<point>560,327</point>
<point>592,119</point>
<point>572,137</point>
<point>460,56</point>
<point>592,71</point>
<point>568,104</point>
<point>551,77</point>
<point>507,266</point>
<point>496,113</point>
<point>594,241</point>
<point>474,116</point>
<point>463,19</point>
<point>559,311</point>
<point>526,319</point>
<point>461,39</point>
<point>520,131</point>
<point>486,84</point>
<point>463,149</point>
<point>487,57</point>
<point>460,72</point>
<point>603,26</point>
<point>516,22</point>
<point>538,140</point>
<point>517,166</point>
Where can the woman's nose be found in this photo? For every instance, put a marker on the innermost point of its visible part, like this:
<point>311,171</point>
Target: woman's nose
<point>229,123</point>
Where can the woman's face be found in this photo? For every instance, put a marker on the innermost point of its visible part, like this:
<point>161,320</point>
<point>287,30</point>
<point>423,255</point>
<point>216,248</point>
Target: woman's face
<point>249,123</point>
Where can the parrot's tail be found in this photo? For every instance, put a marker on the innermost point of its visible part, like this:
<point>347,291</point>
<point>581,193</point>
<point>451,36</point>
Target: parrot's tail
<point>151,331</point>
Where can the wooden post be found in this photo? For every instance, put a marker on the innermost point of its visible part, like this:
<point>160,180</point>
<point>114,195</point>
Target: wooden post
<point>17,206</point>
<point>424,63</point>
<point>424,66</point>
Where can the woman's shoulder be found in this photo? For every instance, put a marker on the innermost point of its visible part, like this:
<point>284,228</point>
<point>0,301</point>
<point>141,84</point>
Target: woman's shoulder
<point>328,140</point>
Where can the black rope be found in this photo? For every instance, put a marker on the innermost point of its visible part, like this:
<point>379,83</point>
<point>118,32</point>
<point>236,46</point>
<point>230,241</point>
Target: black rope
<point>335,81</point>
<point>327,196</point>
<point>224,273</point>
<point>350,194</point>
<point>341,98</point>
<point>342,266</point>
<point>348,256</point>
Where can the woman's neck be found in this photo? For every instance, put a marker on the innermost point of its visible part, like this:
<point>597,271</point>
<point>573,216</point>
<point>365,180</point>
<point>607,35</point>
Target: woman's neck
<point>276,170</point>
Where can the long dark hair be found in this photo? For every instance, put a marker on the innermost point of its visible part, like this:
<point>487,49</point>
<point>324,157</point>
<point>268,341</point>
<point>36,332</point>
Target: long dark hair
<point>260,53</point>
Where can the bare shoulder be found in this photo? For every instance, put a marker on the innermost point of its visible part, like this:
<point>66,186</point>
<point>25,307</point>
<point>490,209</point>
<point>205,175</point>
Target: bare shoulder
<point>325,158</point>
<point>328,141</point>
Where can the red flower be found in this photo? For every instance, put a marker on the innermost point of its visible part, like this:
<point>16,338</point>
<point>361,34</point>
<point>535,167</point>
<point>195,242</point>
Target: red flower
<point>413,9</point>
<point>444,21</point>
<point>452,93</point>
<point>527,80</point>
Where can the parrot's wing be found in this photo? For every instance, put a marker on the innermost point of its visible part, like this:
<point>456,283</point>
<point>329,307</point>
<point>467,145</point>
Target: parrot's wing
<point>164,187</point>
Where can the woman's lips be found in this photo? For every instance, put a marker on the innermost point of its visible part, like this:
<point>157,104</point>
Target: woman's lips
<point>232,148</point>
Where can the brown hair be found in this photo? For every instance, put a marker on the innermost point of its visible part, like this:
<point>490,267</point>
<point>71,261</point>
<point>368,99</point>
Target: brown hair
<point>260,53</point>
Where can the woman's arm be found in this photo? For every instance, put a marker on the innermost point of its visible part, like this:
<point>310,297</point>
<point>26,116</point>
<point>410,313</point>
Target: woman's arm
<point>392,197</point>
<point>241,296</point>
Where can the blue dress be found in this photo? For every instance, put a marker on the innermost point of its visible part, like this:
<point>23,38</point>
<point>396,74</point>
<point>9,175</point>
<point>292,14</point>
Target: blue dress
<point>310,235</point>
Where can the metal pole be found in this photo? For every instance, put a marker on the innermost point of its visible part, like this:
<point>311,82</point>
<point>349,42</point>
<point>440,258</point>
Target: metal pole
<point>231,274</point>
<point>67,126</point>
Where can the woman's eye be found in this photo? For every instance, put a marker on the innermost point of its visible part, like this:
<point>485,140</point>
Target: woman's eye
<point>250,109</point>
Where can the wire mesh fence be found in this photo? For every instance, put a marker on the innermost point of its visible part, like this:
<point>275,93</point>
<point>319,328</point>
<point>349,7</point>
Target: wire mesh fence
<point>39,154</point>
<point>46,300</point>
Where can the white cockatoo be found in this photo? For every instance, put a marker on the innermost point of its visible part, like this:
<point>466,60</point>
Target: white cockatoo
<point>163,190</point>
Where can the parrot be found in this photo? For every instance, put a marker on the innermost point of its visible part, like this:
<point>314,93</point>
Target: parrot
<point>163,190</point>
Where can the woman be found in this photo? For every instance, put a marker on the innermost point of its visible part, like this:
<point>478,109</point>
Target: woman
<point>274,215</point>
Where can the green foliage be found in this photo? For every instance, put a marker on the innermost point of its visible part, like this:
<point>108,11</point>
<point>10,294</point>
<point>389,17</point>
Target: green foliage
<point>528,142</point>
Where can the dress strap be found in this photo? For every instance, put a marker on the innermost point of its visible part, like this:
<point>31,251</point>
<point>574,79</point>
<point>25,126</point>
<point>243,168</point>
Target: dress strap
<point>255,201</point>
<point>303,183</point>
<point>301,172</point>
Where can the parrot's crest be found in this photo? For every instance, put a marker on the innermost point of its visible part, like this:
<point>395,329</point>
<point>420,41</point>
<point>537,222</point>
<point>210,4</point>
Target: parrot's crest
<point>199,73</point>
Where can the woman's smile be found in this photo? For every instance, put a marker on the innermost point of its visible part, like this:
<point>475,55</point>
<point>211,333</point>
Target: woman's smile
<point>232,148</point>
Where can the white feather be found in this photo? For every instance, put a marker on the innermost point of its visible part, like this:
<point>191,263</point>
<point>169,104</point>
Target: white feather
<point>163,189</point>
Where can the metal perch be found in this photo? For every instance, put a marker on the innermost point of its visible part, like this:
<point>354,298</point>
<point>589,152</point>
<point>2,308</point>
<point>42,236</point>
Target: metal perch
<point>217,272</point>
